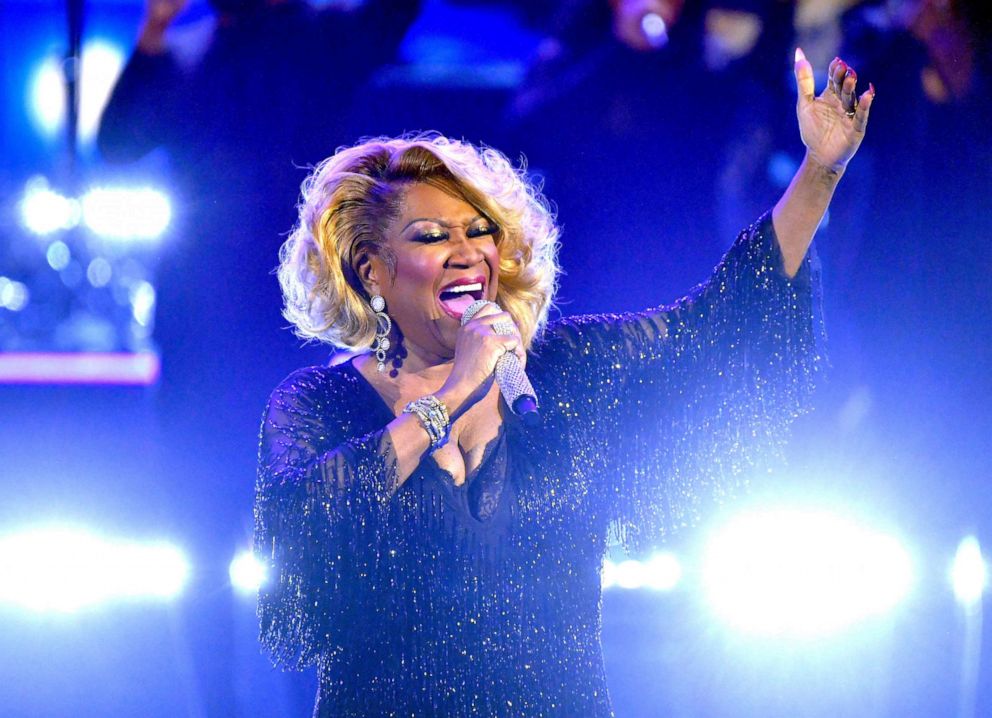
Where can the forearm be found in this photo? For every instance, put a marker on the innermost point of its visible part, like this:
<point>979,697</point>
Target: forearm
<point>799,212</point>
<point>410,445</point>
<point>411,442</point>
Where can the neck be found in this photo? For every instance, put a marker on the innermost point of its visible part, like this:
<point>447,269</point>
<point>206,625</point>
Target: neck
<point>425,367</point>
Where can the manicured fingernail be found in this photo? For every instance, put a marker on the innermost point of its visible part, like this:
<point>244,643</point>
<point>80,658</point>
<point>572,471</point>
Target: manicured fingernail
<point>800,55</point>
<point>871,89</point>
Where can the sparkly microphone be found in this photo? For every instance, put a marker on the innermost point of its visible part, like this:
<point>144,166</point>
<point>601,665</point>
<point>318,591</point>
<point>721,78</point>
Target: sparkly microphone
<point>513,382</point>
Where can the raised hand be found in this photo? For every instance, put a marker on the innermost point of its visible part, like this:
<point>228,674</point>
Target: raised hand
<point>832,125</point>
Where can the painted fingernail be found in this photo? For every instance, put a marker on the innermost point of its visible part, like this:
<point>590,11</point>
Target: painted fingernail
<point>800,55</point>
<point>871,89</point>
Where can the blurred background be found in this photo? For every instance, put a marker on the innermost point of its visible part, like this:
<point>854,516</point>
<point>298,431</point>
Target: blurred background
<point>150,160</point>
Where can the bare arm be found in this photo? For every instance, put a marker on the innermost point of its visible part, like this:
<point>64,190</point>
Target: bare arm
<point>832,127</point>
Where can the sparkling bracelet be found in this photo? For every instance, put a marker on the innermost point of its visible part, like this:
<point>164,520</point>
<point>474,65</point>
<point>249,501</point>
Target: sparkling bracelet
<point>433,415</point>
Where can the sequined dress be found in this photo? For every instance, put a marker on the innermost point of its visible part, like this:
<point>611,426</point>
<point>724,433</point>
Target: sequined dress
<point>484,599</point>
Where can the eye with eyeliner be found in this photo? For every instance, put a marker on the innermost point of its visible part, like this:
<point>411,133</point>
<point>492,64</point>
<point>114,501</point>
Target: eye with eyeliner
<point>482,230</point>
<point>433,236</point>
<point>430,237</point>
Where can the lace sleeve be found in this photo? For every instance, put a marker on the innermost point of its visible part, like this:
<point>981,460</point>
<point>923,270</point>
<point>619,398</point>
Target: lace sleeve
<point>318,497</point>
<point>691,399</point>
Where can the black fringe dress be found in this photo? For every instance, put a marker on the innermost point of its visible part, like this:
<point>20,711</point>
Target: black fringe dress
<point>484,599</point>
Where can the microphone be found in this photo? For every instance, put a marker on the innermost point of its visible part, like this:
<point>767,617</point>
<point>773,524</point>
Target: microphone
<point>513,382</point>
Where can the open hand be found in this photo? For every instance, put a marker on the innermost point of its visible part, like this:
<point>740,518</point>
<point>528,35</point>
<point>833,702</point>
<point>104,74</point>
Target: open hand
<point>832,125</point>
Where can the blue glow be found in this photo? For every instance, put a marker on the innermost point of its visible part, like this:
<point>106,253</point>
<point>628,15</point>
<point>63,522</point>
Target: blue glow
<point>65,569</point>
<point>43,210</point>
<point>247,572</point>
<point>655,29</point>
<point>101,64</point>
<point>969,574</point>
<point>662,572</point>
<point>14,295</point>
<point>802,573</point>
<point>140,213</point>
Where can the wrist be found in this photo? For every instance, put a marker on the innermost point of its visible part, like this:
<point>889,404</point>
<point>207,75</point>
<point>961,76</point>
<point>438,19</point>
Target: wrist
<point>454,399</point>
<point>814,169</point>
<point>433,416</point>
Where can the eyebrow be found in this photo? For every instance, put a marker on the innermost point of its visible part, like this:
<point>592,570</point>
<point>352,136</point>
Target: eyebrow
<point>441,222</point>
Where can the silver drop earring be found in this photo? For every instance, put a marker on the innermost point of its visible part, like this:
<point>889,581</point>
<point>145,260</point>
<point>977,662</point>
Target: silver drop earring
<point>383,325</point>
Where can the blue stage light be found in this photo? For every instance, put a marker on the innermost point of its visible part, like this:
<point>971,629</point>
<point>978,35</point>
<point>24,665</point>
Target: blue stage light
<point>802,573</point>
<point>14,295</point>
<point>114,213</point>
<point>43,210</point>
<point>47,97</point>
<point>969,573</point>
<point>142,298</point>
<point>247,573</point>
<point>126,213</point>
<point>58,255</point>
<point>63,569</point>
<point>662,572</point>
<point>655,29</point>
<point>100,65</point>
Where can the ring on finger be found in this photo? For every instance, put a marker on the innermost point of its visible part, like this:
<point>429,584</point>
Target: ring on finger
<point>502,328</point>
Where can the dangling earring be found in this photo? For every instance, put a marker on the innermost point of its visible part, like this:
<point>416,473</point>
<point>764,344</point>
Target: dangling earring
<point>383,325</point>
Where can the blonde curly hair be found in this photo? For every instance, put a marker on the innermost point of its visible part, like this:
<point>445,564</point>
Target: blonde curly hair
<point>349,200</point>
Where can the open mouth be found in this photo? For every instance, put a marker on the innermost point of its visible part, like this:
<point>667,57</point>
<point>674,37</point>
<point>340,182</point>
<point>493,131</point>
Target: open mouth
<point>456,297</point>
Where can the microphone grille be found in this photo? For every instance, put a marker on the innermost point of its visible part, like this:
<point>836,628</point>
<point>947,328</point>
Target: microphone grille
<point>474,308</point>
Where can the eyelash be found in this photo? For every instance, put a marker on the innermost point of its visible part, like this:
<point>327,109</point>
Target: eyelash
<point>432,237</point>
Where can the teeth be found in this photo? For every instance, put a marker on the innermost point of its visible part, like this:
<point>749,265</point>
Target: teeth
<point>459,288</point>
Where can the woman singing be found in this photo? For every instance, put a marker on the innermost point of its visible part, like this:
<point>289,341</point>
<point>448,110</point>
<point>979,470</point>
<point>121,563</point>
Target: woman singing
<point>432,553</point>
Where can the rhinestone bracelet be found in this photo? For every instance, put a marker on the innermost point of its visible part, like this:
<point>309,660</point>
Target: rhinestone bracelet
<point>433,415</point>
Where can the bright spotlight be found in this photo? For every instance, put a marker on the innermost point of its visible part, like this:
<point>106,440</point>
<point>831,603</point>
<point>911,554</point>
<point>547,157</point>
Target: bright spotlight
<point>247,572</point>
<point>100,65</point>
<point>44,210</point>
<point>47,99</point>
<point>64,570</point>
<point>126,214</point>
<point>969,574</point>
<point>661,572</point>
<point>802,573</point>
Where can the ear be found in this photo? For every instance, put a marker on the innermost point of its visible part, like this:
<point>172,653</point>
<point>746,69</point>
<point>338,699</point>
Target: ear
<point>371,271</point>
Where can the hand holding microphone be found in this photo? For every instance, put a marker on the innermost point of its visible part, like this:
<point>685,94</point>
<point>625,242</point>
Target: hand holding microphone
<point>513,382</point>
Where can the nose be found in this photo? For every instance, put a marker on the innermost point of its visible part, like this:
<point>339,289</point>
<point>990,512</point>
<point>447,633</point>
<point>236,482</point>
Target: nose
<point>465,252</point>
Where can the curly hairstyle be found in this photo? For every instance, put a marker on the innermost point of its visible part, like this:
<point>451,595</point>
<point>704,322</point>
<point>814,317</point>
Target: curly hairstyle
<point>349,200</point>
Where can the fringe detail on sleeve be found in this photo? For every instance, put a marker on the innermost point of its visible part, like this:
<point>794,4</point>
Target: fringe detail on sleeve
<point>313,510</point>
<point>689,400</point>
<point>738,366</point>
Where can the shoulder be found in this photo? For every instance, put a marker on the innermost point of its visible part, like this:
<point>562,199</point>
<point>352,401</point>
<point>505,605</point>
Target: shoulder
<point>587,335</point>
<point>320,378</point>
<point>326,404</point>
<point>315,386</point>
